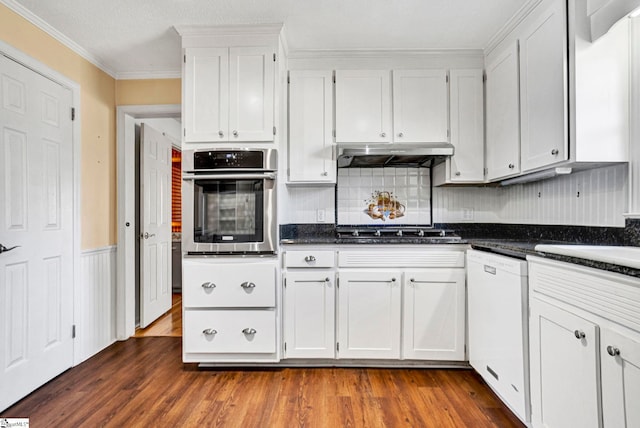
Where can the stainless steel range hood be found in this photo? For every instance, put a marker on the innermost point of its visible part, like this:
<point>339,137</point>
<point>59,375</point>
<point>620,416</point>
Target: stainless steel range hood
<point>393,155</point>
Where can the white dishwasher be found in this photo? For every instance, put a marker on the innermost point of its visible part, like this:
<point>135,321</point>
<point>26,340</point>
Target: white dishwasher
<point>498,326</point>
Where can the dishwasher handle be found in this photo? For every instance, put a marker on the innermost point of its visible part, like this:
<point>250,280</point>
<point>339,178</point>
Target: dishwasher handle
<point>490,269</point>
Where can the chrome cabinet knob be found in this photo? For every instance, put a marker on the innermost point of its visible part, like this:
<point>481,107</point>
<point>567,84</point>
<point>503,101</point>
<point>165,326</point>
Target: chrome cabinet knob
<point>247,284</point>
<point>209,332</point>
<point>249,331</point>
<point>554,152</point>
<point>400,134</point>
<point>383,134</point>
<point>235,133</point>
<point>579,334</point>
<point>327,279</point>
<point>613,351</point>
<point>221,134</point>
<point>208,285</point>
<point>511,166</point>
<point>324,174</point>
<point>412,280</point>
<point>393,280</point>
<point>309,259</point>
<point>457,173</point>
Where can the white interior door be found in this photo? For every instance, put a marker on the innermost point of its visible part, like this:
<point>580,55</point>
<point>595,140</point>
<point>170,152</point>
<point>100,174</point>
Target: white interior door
<point>36,214</point>
<point>155,236</point>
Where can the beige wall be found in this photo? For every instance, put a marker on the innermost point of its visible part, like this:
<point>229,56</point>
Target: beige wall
<point>147,92</point>
<point>100,94</point>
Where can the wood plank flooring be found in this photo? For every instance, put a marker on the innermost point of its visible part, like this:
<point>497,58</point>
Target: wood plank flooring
<point>142,382</point>
<point>170,324</point>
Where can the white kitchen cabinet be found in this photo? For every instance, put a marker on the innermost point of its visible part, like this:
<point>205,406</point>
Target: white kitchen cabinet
<point>543,90</point>
<point>363,106</point>
<point>564,372</point>
<point>311,146</point>
<point>420,106</point>
<point>467,129</point>
<point>309,314</point>
<point>434,314</point>
<point>229,94</point>
<point>585,346</point>
<point>503,115</point>
<point>369,314</point>
<point>620,371</point>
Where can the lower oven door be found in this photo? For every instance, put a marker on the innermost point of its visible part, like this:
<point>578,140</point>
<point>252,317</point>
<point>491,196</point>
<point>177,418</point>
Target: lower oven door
<point>229,213</point>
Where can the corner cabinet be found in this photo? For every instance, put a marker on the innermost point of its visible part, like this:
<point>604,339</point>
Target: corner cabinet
<point>311,146</point>
<point>584,345</point>
<point>503,106</point>
<point>466,112</point>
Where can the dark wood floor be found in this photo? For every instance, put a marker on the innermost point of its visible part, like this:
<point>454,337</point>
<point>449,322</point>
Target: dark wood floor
<point>169,324</point>
<point>142,382</point>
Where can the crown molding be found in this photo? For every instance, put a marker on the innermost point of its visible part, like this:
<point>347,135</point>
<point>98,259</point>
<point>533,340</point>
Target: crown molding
<point>146,75</point>
<point>511,24</point>
<point>51,31</point>
<point>382,53</point>
<point>219,30</point>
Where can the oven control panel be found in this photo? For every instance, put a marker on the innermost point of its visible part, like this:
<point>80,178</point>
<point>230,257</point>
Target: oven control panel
<point>210,159</point>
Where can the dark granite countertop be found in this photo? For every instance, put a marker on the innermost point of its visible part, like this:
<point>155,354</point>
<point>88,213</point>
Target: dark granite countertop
<point>509,240</point>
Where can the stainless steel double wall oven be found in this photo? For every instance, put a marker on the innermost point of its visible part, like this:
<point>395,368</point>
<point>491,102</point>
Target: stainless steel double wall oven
<point>229,201</point>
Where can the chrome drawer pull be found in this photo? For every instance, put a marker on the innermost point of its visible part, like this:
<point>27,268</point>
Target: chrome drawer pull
<point>208,285</point>
<point>209,331</point>
<point>309,259</point>
<point>247,284</point>
<point>579,334</point>
<point>249,331</point>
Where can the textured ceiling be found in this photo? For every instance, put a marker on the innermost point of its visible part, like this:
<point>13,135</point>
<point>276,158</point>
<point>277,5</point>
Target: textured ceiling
<point>137,36</point>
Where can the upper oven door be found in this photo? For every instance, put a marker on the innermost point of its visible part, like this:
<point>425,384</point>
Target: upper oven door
<point>229,213</point>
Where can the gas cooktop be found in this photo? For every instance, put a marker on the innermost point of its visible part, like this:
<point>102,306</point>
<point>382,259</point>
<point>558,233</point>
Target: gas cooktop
<point>394,233</point>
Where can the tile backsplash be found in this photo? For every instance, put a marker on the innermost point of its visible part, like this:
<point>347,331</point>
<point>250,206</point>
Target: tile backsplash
<point>384,196</point>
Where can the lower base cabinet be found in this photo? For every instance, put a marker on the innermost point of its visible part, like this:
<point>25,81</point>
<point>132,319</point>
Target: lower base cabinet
<point>361,310</point>
<point>584,346</point>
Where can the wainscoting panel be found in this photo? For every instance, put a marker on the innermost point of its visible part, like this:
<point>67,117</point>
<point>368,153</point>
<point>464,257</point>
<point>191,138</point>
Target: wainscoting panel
<point>95,305</point>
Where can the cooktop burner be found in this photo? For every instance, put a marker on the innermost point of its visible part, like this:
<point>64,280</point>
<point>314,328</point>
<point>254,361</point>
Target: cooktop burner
<point>408,232</point>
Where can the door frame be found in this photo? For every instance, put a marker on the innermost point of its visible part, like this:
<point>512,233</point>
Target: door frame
<point>126,281</point>
<point>51,74</point>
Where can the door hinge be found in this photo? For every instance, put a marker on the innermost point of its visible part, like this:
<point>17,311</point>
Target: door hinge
<point>334,133</point>
<point>274,57</point>
<point>484,77</point>
<point>285,286</point>
<point>338,346</point>
<point>274,130</point>
<point>288,79</point>
<point>334,78</point>
<point>184,132</point>
<point>73,113</point>
<point>486,171</point>
<point>185,58</point>
<point>73,331</point>
<point>338,282</point>
<point>285,346</point>
<point>446,78</point>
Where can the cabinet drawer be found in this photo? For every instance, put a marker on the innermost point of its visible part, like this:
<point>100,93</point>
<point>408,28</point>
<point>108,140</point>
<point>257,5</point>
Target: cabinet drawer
<point>310,258</point>
<point>224,331</point>
<point>243,285</point>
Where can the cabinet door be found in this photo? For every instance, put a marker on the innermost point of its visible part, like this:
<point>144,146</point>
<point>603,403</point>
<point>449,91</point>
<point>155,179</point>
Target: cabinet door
<point>310,125</point>
<point>369,314</point>
<point>564,370</point>
<point>206,94</point>
<point>620,365</point>
<point>467,126</point>
<point>251,93</point>
<point>420,106</point>
<point>543,90</point>
<point>434,315</point>
<point>363,106</point>
<point>309,315</point>
<point>503,117</point>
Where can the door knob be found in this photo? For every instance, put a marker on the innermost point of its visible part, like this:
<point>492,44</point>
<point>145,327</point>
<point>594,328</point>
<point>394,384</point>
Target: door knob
<point>579,334</point>
<point>613,351</point>
<point>4,249</point>
<point>554,152</point>
<point>147,235</point>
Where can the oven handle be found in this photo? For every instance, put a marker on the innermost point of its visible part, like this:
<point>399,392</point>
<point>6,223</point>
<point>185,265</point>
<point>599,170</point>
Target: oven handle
<point>253,176</point>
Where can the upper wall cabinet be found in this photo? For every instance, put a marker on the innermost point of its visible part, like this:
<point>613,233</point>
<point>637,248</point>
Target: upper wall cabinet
<point>419,105</point>
<point>543,90</point>
<point>365,112</point>
<point>363,106</point>
<point>467,130</point>
<point>228,94</point>
<point>310,127</point>
<point>229,79</point>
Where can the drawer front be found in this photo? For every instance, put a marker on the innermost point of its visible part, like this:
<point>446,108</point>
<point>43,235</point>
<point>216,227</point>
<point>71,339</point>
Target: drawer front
<point>310,258</point>
<point>423,258</point>
<point>229,332</point>
<point>242,285</point>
